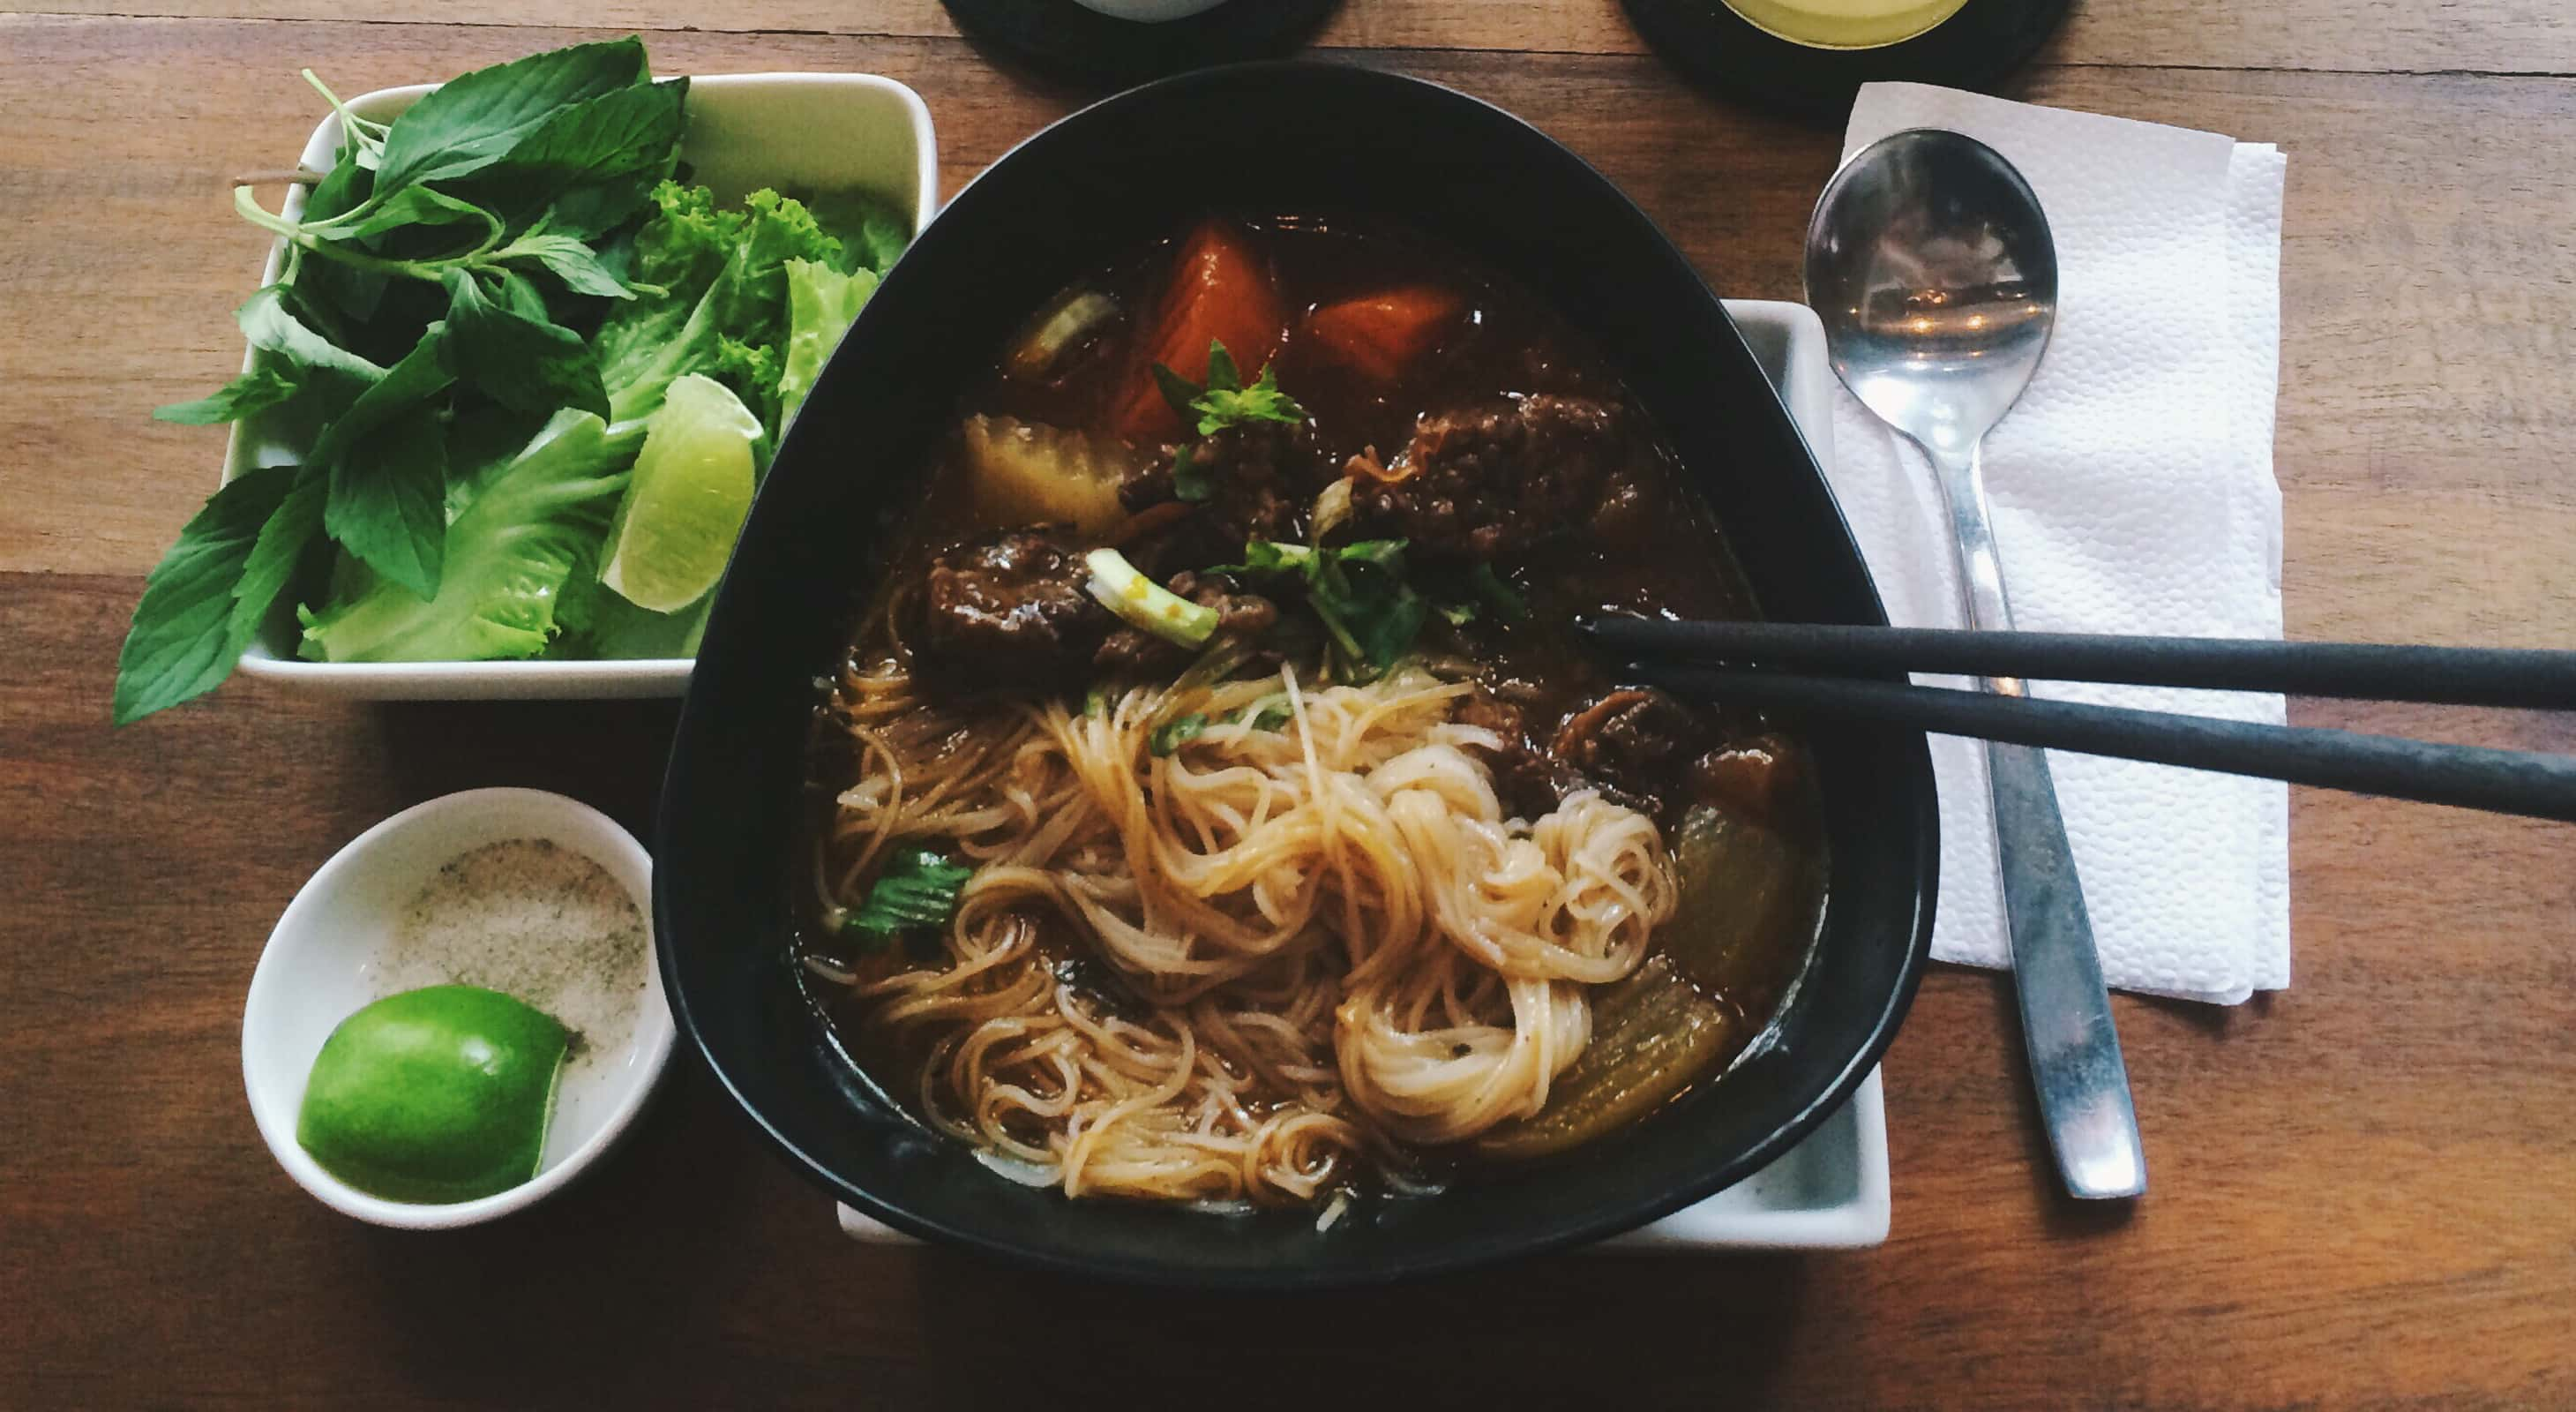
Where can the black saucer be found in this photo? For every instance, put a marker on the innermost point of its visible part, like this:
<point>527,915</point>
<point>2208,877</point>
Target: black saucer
<point>1076,44</point>
<point>1713,45</point>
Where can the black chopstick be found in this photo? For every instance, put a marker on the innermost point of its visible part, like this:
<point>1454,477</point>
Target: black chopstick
<point>2473,777</point>
<point>2454,676</point>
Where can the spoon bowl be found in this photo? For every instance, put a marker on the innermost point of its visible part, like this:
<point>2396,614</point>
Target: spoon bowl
<point>1931,264</point>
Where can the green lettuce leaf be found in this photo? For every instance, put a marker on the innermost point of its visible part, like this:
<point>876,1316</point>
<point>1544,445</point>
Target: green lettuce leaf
<point>822,303</point>
<point>510,553</point>
<point>725,278</point>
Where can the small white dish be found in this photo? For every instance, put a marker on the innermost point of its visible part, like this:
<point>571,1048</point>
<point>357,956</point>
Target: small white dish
<point>321,966</point>
<point>1830,1192</point>
<point>795,131</point>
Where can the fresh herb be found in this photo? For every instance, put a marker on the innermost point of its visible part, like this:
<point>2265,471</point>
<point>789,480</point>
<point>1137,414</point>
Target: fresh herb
<point>1371,615</point>
<point>917,890</point>
<point>481,307</point>
<point>1221,403</point>
<point>1498,593</point>
<point>1457,615</point>
<point>1171,735</point>
<point>1269,716</point>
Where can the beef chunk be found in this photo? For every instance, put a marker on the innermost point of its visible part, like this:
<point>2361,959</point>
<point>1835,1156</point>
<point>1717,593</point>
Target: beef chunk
<point>1495,480</point>
<point>1754,776</point>
<point>1010,608</point>
<point>1245,614</point>
<point>1638,744</point>
<point>1262,477</point>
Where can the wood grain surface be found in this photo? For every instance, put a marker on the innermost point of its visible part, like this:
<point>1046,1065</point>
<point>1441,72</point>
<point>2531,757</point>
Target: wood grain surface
<point>2365,1187</point>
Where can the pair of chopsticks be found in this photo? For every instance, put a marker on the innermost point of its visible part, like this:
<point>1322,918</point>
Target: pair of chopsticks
<point>1810,667</point>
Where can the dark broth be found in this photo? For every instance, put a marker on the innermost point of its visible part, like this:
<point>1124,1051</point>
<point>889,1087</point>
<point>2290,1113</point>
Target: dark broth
<point>1656,551</point>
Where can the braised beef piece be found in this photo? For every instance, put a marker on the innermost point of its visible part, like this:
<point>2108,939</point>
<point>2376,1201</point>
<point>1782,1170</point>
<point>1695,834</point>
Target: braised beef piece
<point>1529,780</point>
<point>1753,776</point>
<point>1638,741</point>
<point>1245,614</point>
<point>1262,479</point>
<point>1491,481</point>
<point>1010,608</point>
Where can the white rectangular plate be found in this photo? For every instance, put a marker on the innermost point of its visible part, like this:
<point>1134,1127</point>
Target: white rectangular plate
<point>1830,1191</point>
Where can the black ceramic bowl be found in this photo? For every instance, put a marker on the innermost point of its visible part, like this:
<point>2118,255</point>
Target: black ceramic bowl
<point>1282,137</point>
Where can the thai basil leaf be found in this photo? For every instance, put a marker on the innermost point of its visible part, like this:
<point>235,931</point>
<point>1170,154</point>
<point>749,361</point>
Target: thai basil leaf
<point>471,122</point>
<point>184,640</point>
<point>526,363</point>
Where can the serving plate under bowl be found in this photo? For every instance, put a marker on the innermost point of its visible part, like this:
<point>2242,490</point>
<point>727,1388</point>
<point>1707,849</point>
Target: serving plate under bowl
<point>797,132</point>
<point>1064,203</point>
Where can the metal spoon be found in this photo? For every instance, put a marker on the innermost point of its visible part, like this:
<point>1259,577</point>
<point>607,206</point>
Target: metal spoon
<point>1931,264</point>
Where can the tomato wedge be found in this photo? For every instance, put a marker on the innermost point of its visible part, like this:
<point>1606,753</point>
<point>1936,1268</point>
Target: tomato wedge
<point>1221,290</point>
<point>1378,336</point>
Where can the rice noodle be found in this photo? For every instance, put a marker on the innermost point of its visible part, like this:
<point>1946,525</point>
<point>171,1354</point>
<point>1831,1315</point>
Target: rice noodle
<point>1336,941</point>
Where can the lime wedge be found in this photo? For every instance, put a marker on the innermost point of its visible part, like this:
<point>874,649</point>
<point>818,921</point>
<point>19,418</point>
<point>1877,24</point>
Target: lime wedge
<point>435,1095</point>
<point>686,501</point>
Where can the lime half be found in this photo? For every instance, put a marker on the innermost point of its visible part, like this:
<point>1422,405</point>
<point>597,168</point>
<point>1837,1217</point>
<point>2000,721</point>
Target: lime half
<point>434,1095</point>
<point>686,501</point>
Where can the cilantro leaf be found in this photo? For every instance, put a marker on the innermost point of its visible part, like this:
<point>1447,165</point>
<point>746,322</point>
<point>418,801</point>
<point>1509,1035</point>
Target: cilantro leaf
<point>1371,615</point>
<point>1223,376</point>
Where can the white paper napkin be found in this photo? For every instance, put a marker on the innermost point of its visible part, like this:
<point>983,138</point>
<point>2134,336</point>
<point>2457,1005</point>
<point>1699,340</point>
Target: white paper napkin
<point>2132,491</point>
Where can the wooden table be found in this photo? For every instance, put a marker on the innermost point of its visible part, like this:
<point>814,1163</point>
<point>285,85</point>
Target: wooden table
<point>2365,1187</point>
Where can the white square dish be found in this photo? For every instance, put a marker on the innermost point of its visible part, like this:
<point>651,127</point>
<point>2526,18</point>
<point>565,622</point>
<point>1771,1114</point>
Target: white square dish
<point>816,132</point>
<point>1830,1191</point>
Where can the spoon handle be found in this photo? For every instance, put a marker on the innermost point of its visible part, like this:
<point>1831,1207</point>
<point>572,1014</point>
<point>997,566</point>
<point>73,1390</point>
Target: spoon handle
<point>2075,1062</point>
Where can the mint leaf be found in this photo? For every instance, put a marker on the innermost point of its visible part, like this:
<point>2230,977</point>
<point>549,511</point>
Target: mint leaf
<point>183,640</point>
<point>472,121</point>
<point>260,388</point>
<point>519,361</point>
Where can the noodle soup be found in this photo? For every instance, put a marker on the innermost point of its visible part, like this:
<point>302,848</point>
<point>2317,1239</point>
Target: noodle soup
<point>1217,805</point>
